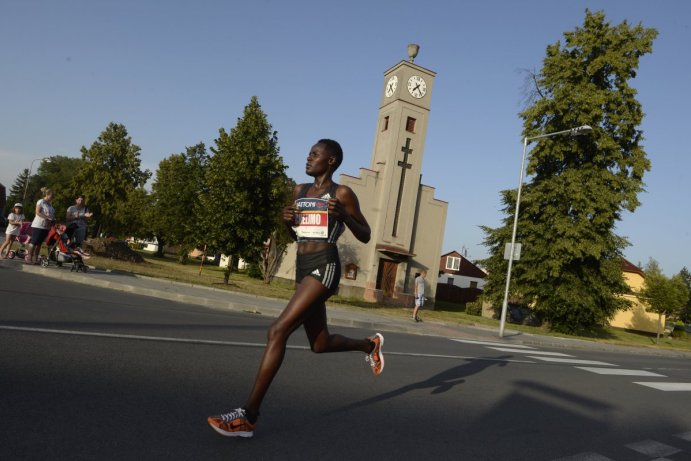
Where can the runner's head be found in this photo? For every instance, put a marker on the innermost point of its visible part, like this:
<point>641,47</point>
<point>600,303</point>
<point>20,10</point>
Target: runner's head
<point>334,149</point>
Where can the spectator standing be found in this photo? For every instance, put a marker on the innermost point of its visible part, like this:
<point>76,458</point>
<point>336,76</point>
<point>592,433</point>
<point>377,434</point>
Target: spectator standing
<point>77,216</point>
<point>14,223</point>
<point>419,295</point>
<point>44,219</point>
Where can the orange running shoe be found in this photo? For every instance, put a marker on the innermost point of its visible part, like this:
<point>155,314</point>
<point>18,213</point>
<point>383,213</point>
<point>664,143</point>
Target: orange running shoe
<point>233,424</point>
<point>376,357</point>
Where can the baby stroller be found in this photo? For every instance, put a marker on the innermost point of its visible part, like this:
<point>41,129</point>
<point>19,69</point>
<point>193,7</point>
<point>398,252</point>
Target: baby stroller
<point>23,238</point>
<point>61,250</point>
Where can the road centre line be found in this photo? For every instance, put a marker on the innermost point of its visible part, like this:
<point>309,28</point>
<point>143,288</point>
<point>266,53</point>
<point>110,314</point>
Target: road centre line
<point>230,343</point>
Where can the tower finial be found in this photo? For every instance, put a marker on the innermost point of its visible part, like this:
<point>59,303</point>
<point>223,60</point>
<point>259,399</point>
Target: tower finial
<point>413,49</point>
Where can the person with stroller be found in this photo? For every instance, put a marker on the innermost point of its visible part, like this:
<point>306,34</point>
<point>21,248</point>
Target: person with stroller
<point>14,223</point>
<point>43,221</point>
<point>77,216</point>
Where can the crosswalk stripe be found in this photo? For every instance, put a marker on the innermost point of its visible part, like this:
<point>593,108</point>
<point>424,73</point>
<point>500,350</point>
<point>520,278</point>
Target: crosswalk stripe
<point>621,372</point>
<point>669,387</point>
<point>572,361</point>
<point>525,351</point>
<point>686,436</point>
<point>653,448</point>
<point>489,343</point>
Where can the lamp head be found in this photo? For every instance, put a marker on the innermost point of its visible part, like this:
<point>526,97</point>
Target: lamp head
<point>583,129</point>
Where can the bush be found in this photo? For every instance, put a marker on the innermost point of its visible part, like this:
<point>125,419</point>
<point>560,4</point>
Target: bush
<point>679,332</point>
<point>474,308</point>
<point>254,271</point>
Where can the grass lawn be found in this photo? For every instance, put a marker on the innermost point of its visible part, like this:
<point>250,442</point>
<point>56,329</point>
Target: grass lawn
<point>209,275</point>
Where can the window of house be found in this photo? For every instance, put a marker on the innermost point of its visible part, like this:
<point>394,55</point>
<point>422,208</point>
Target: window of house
<point>410,124</point>
<point>453,263</point>
<point>449,281</point>
<point>473,284</point>
<point>385,123</point>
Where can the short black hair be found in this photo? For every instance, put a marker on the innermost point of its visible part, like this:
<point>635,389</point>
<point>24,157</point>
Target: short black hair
<point>334,148</point>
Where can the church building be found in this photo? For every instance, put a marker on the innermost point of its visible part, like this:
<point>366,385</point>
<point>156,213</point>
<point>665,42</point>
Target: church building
<point>407,221</point>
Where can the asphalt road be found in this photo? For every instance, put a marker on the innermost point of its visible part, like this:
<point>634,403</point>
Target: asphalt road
<point>90,373</point>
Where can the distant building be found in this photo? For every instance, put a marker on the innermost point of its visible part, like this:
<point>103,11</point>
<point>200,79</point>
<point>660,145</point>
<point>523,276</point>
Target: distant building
<point>637,318</point>
<point>459,280</point>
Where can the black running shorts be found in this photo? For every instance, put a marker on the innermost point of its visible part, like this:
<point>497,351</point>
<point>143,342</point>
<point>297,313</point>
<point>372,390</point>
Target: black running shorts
<point>324,266</point>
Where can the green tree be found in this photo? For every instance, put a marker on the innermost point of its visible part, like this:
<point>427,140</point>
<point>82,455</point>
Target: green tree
<point>275,246</point>
<point>685,314</point>
<point>58,174</point>
<point>244,191</point>
<point>110,173</point>
<point>663,295</point>
<point>570,269</point>
<point>176,190</point>
<point>16,192</point>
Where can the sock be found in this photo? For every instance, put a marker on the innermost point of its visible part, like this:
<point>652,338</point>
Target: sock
<point>251,416</point>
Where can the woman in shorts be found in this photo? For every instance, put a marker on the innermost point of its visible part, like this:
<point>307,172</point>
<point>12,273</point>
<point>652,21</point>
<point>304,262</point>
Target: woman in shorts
<point>317,277</point>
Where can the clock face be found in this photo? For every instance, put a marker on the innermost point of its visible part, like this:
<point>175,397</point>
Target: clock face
<point>391,86</point>
<point>417,86</point>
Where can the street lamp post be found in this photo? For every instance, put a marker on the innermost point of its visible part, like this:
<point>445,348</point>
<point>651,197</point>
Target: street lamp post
<point>573,132</point>
<point>28,176</point>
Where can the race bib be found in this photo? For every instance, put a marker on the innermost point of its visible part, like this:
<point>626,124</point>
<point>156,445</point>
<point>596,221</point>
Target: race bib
<point>312,218</point>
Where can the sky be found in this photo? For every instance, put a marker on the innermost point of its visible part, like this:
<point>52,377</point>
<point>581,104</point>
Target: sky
<point>175,72</point>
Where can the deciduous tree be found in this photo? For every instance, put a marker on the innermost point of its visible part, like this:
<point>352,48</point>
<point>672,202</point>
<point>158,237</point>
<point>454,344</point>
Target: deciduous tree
<point>110,173</point>
<point>244,187</point>
<point>570,269</point>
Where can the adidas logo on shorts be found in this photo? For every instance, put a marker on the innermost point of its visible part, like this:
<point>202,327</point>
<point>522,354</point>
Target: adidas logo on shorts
<point>316,272</point>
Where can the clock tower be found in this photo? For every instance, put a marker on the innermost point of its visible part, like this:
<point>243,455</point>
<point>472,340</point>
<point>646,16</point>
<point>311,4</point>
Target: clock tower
<point>406,220</point>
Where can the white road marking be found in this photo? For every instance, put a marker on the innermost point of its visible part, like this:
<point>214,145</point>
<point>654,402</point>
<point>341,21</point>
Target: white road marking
<point>524,351</point>
<point>572,361</point>
<point>585,457</point>
<point>232,343</point>
<point>488,343</point>
<point>669,387</point>
<point>685,436</point>
<point>621,372</point>
<point>653,448</point>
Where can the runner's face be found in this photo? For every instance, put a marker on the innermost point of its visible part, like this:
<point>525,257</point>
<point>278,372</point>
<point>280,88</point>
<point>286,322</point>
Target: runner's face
<point>318,160</point>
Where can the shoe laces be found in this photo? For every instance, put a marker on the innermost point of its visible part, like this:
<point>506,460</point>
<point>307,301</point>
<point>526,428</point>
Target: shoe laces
<point>235,414</point>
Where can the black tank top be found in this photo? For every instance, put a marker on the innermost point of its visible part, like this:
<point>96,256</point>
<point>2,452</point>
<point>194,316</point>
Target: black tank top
<point>336,227</point>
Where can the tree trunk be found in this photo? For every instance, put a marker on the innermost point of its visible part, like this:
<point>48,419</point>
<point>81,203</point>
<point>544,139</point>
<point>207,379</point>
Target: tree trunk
<point>229,268</point>
<point>659,323</point>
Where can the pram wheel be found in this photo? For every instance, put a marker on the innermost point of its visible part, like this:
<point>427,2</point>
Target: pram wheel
<point>11,254</point>
<point>44,262</point>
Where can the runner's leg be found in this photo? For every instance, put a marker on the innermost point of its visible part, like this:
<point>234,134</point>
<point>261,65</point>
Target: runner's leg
<point>322,341</point>
<point>308,293</point>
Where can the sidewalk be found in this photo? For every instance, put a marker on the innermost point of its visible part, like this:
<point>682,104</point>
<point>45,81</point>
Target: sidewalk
<point>338,315</point>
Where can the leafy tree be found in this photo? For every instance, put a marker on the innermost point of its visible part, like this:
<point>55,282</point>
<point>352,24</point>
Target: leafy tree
<point>570,269</point>
<point>179,182</point>
<point>110,172</point>
<point>685,314</point>
<point>663,295</point>
<point>16,193</point>
<point>58,174</point>
<point>245,183</point>
<point>275,246</point>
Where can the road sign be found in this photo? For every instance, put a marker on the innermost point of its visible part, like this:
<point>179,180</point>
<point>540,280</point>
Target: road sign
<point>516,251</point>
